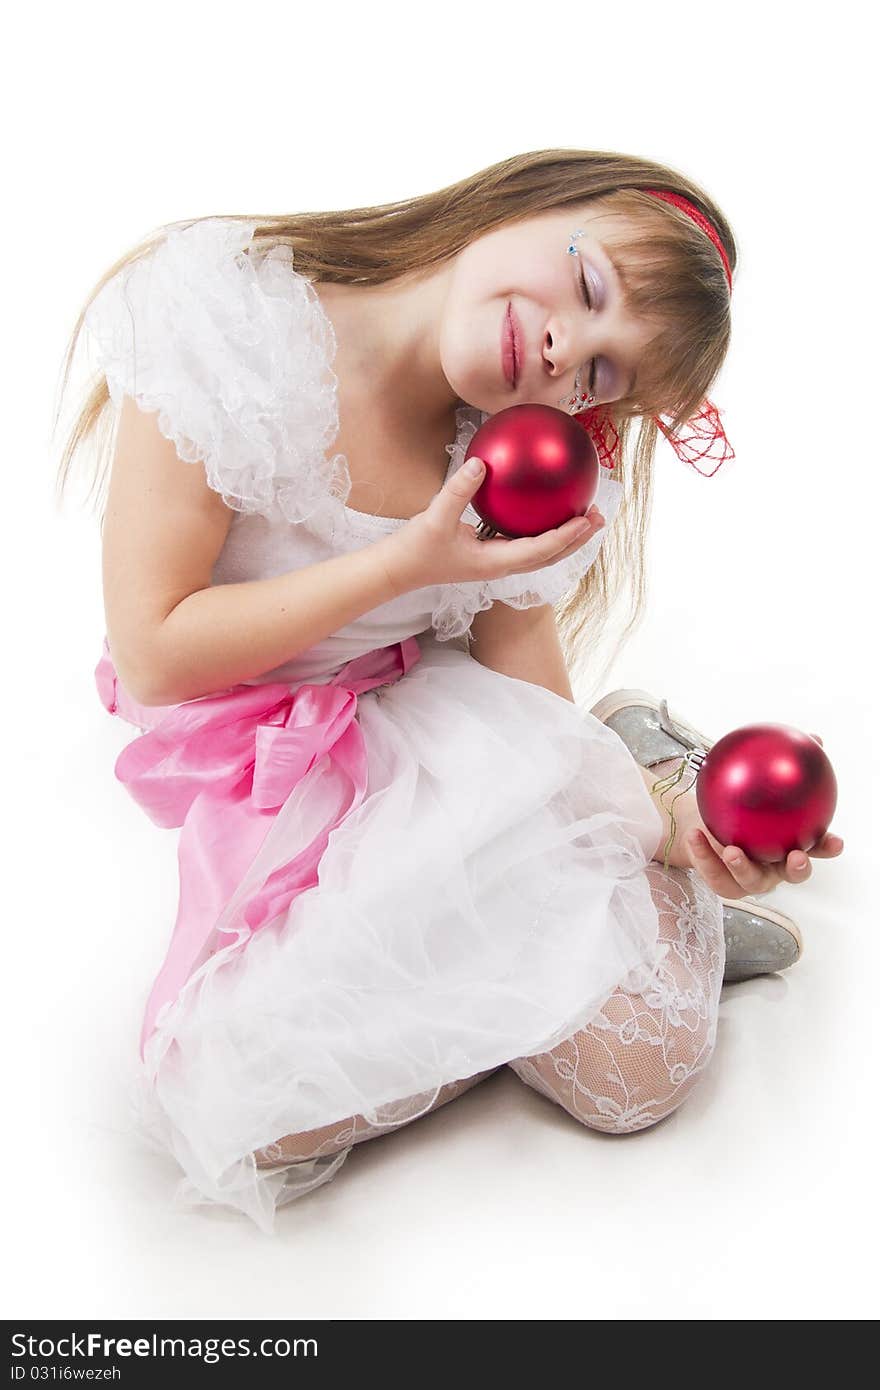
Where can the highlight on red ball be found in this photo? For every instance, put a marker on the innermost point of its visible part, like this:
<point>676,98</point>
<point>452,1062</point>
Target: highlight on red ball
<point>541,470</point>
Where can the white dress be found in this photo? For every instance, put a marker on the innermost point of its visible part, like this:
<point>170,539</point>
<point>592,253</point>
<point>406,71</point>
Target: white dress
<point>489,893</point>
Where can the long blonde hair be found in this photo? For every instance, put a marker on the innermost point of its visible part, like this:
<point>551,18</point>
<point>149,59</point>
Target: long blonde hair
<point>672,275</point>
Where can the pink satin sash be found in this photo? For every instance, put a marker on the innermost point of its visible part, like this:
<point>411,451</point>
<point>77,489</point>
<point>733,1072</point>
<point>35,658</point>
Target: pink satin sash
<point>221,767</point>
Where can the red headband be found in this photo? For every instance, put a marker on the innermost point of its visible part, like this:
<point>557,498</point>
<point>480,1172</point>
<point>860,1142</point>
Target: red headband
<point>702,222</point>
<point>706,430</point>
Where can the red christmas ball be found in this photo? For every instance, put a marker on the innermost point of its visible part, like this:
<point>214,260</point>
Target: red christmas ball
<point>767,788</point>
<point>541,470</point>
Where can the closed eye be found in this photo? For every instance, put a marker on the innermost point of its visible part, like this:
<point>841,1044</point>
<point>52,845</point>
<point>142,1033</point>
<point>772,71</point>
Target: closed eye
<point>586,298</point>
<point>584,289</point>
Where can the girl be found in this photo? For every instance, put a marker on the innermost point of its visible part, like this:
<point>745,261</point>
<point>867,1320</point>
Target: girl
<point>407,858</point>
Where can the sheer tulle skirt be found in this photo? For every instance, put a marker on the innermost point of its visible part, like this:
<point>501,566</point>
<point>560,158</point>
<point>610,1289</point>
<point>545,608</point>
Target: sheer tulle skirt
<point>481,904</point>
<point>633,1064</point>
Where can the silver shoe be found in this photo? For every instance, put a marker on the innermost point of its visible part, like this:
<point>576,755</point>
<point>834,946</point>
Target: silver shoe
<point>647,728</point>
<point>758,940</point>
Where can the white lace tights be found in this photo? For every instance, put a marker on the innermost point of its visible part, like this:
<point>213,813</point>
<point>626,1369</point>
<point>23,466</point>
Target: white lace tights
<point>633,1064</point>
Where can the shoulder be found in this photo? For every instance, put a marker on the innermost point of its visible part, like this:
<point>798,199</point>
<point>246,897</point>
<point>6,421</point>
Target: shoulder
<point>218,332</point>
<point>205,280</point>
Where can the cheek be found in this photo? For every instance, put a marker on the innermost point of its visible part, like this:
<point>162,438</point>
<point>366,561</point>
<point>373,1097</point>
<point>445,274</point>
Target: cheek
<point>477,275</point>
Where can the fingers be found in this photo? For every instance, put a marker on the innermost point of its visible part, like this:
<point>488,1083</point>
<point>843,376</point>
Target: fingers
<point>461,487</point>
<point>528,552</point>
<point>573,534</point>
<point>732,869</point>
<point>533,552</point>
<point>757,878</point>
<point>829,847</point>
<point>718,873</point>
<point>730,873</point>
<point>797,867</point>
<point>597,523</point>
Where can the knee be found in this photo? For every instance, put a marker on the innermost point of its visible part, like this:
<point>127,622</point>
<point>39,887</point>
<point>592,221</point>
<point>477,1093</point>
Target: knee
<point>622,1073</point>
<point>641,1056</point>
<point>652,1051</point>
<point>640,1097</point>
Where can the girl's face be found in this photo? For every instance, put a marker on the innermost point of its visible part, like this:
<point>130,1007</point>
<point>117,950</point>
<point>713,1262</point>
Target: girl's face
<point>525,268</point>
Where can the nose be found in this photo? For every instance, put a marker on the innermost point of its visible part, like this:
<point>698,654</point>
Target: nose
<point>550,349</point>
<point>569,342</point>
<point>564,353</point>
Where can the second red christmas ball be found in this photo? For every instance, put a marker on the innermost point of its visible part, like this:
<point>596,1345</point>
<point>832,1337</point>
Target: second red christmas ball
<point>768,788</point>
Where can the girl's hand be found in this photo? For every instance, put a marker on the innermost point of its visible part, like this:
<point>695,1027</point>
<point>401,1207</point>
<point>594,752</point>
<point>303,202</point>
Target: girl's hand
<point>437,547</point>
<point>731,874</point>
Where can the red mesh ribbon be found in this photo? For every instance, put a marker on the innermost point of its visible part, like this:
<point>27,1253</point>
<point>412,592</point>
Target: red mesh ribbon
<point>701,437</point>
<point>600,426</point>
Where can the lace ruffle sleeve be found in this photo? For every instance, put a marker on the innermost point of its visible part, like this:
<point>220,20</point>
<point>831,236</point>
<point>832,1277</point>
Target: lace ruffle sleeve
<point>459,603</point>
<point>234,351</point>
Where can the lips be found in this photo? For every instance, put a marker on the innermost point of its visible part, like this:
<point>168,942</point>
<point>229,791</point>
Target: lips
<point>511,358</point>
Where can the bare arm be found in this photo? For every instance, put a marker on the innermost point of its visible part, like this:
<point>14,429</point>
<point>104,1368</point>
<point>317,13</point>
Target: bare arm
<point>521,642</point>
<point>173,635</point>
<point>221,635</point>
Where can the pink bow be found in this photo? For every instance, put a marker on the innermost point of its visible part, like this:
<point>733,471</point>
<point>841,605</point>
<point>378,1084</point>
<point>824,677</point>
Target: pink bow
<point>221,767</point>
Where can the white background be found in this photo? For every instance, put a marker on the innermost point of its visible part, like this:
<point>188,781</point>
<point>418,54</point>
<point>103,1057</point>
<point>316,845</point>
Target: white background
<point>758,1198</point>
